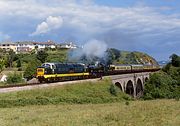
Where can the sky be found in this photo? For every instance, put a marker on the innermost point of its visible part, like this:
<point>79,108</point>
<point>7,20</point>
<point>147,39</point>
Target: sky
<point>150,26</point>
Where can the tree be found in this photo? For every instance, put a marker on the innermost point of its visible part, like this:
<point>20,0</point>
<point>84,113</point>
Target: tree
<point>18,63</point>
<point>112,55</point>
<point>30,71</point>
<point>10,58</point>
<point>116,53</point>
<point>42,56</point>
<point>166,83</point>
<point>131,58</point>
<point>161,85</point>
<point>175,60</point>
<point>1,64</point>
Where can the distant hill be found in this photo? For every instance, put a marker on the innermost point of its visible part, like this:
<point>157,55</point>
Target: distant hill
<point>163,63</point>
<point>126,57</point>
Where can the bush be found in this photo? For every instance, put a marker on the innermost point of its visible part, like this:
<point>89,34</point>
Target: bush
<point>30,71</point>
<point>14,78</point>
<point>161,85</point>
<point>165,84</point>
<point>113,90</point>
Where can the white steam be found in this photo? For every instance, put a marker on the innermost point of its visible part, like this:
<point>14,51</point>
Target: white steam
<point>94,48</point>
<point>90,50</point>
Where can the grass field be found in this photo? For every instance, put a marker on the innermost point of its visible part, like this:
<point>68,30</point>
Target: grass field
<point>136,113</point>
<point>81,93</point>
<point>89,103</point>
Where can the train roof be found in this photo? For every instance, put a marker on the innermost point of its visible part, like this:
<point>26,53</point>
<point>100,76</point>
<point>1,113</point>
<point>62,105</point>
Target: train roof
<point>56,63</point>
<point>127,64</point>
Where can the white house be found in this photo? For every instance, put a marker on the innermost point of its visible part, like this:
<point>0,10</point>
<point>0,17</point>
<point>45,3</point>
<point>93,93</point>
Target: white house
<point>8,45</point>
<point>25,46</point>
<point>67,45</point>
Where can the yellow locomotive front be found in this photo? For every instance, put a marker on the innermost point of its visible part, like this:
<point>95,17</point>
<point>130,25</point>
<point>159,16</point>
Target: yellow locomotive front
<point>40,73</point>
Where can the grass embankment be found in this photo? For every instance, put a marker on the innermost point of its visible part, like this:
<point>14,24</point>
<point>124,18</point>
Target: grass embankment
<point>137,113</point>
<point>83,93</point>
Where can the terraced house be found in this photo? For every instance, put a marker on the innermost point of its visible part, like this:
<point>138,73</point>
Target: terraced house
<point>26,46</point>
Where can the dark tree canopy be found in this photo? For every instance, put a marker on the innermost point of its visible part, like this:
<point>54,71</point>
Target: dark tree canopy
<point>175,60</point>
<point>30,71</point>
<point>42,56</point>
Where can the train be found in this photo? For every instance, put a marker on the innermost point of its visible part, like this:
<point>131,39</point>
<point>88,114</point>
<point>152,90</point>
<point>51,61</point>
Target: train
<point>53,72</point>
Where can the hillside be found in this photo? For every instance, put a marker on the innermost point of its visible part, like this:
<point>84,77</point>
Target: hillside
<point>79,93</point>
<point>127,57</point>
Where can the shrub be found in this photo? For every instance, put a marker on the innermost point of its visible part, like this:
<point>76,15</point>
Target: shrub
<point>113,90</point>
<point>161,85</point>
<point>30,71</point>
<point>14,78</point>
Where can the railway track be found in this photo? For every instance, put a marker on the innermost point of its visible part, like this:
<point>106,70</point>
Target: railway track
<point>20,87</point>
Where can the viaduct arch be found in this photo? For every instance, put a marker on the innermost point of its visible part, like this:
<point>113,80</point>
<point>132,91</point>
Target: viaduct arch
<point>132,84</point>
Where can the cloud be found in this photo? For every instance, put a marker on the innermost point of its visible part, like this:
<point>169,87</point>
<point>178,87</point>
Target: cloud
<point>51,23</point>
<point>138,27</point>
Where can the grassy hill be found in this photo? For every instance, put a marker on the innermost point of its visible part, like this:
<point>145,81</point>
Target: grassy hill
<point>82,93</point>
<point>127,57</point>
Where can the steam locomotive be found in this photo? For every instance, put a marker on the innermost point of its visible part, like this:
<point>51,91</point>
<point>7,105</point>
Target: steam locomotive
<point>52,72</point>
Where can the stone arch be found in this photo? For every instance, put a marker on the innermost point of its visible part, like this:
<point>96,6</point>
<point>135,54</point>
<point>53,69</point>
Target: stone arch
<point>146,79</point>
<point>119,86</point>
<point>139,88</point>
<point>130,88</point>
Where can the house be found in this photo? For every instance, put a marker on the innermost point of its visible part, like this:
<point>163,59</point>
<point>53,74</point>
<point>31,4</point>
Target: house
<point>8,46</point>
<point>28,46</point>
<point>43,45</point>
<point>25,46</point>
<point>67,46</point>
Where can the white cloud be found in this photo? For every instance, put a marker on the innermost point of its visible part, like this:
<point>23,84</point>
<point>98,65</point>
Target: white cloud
<point>50,24</point>
<point>122,27</point>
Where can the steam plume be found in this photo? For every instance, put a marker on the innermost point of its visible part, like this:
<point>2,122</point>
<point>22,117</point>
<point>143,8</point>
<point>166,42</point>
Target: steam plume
<point>92,49</point>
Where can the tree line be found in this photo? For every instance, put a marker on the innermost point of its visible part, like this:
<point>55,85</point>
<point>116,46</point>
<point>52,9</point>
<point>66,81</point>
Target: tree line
<point>166,83</point>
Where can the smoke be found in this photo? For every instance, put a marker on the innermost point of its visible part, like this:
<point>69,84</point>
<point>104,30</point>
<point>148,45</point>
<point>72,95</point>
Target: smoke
<point>92,50</point>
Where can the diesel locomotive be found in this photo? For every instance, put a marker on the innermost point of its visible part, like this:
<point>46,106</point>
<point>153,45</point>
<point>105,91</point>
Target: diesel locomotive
<point>52,72</point>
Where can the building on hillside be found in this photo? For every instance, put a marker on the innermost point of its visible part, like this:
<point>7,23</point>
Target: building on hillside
<point>25,46</point>
<point>67,46</point>
<point>28,46</point>
<point>43,45</point>
<point>8,46</point>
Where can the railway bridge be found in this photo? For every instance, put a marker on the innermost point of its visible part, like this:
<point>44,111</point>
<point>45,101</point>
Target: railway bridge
<point>132,84</point>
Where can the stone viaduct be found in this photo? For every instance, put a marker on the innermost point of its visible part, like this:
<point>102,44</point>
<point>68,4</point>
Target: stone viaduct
<point>132,84</point>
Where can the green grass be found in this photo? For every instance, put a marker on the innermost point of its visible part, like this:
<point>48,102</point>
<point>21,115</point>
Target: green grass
<point>83,93</point>
<point>137,113</point>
